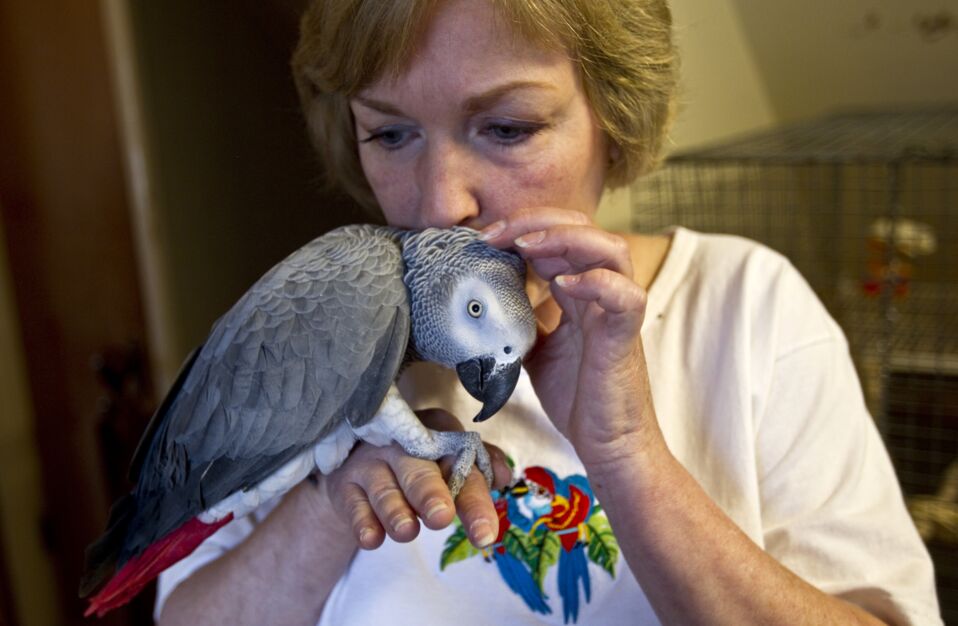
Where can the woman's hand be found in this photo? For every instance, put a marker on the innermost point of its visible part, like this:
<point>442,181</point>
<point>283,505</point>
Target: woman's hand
<point>589,371</point>
<point>382,491</point>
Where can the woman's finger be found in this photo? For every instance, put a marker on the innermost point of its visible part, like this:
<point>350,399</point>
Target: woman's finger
<point>425,490</point>
<point>476,511</point>
<point>437,419</point>
<point>574,249</point>
<point>392,488</point>
<point>500,467</point>
<point>360,516</point>
<point>474,504</point>
<point>502,233</point>
<point>389,504</point>
<point>611,291</point>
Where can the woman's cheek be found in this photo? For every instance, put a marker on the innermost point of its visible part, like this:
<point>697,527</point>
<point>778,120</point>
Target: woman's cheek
<point>395,198</point>
<point>558,182</point>
<point>536,184</point>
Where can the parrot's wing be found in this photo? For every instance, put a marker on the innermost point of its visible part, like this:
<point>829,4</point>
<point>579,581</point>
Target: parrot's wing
<point>318,339</point>
<point>157,419</point>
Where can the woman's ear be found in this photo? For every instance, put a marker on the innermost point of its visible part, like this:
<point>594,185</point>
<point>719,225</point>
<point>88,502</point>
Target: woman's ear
<point>615,152</point>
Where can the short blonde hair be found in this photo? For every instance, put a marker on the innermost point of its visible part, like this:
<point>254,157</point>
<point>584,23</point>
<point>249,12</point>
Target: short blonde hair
<point>623,49</point>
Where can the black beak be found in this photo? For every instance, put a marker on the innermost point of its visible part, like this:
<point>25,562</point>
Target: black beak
<point>519,489</point>
<point>489,384</point>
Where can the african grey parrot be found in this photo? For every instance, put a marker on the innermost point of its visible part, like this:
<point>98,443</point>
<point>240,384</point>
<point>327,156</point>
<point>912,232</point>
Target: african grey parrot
<point>302,367</point>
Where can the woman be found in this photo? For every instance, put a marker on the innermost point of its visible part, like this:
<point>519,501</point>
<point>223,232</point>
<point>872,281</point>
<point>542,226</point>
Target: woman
<point>690,384</point>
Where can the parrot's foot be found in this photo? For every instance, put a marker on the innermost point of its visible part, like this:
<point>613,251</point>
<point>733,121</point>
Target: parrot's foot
<point>395,421</point>
<point>469,451</point>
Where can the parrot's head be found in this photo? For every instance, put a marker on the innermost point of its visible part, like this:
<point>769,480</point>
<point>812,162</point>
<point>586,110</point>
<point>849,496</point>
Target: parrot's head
<point>469,311</point>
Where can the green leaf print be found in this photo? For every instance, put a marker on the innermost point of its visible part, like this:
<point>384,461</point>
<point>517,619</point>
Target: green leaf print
<point>545,556</point>
<point>457,548</point>
<point>520,545</point>
<point>603,548</point>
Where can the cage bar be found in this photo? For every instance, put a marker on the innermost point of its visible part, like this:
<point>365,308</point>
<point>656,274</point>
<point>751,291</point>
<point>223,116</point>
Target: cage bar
<point>865,205</point>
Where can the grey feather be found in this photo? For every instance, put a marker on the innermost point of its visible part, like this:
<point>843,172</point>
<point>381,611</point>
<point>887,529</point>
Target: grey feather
<point>261,391</point>
<point>317,340</point>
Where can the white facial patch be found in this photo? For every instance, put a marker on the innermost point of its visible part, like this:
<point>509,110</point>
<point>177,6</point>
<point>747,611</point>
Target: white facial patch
<point>490,332</point>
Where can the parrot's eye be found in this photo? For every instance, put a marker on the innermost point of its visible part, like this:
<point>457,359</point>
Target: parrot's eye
<point>475,308</point>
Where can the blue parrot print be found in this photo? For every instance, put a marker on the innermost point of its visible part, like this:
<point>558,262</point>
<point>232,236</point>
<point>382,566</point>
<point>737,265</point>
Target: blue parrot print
<point>545,520</point>
<point>513,570</point>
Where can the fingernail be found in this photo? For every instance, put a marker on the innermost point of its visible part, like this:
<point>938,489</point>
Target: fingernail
<point>401,523</point>
<point>567,280</point>
<point>434,507</point>
<point>492,230</point>
<point>481,533</point>
<point>530,239</point>
<point>364,533</point>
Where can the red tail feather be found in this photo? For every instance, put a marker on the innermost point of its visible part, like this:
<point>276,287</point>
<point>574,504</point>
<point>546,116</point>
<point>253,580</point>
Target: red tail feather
<point>140,570</point>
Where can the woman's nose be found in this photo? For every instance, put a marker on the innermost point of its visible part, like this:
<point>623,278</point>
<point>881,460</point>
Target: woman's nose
<point>447,192</point>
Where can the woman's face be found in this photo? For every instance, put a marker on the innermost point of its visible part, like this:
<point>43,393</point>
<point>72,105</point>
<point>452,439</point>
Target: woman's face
<point>480,124</point>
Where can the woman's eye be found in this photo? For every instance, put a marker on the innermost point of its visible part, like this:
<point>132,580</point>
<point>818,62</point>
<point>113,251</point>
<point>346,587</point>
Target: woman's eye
<point>511,132</point>
<point>508,133</point>
<point>390,137</point>
<point>475,308</point>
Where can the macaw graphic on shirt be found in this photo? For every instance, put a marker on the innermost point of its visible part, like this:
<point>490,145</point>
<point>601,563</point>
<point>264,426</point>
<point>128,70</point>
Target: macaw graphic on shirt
<point>545,521</point>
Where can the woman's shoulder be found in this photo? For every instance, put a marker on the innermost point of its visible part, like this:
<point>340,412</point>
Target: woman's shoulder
<point>719,253</point>
<point>721,277</point>
<point>706,262</point>
<point>668,258</point>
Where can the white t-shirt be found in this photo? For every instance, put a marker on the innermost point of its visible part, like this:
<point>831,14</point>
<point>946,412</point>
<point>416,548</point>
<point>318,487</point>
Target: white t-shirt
<point>757,397</point>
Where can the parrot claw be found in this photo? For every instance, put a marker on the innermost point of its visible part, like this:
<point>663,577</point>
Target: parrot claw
<point>466,448</point>
<point>471,452</point>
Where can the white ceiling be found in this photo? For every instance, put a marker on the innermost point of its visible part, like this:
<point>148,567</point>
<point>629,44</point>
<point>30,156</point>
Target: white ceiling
<point>816,55</point>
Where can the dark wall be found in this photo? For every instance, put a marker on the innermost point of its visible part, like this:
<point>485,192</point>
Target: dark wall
<point>238,186</point>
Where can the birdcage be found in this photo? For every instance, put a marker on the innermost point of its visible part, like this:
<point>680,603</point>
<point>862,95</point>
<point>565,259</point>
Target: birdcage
<point>865,205</point>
